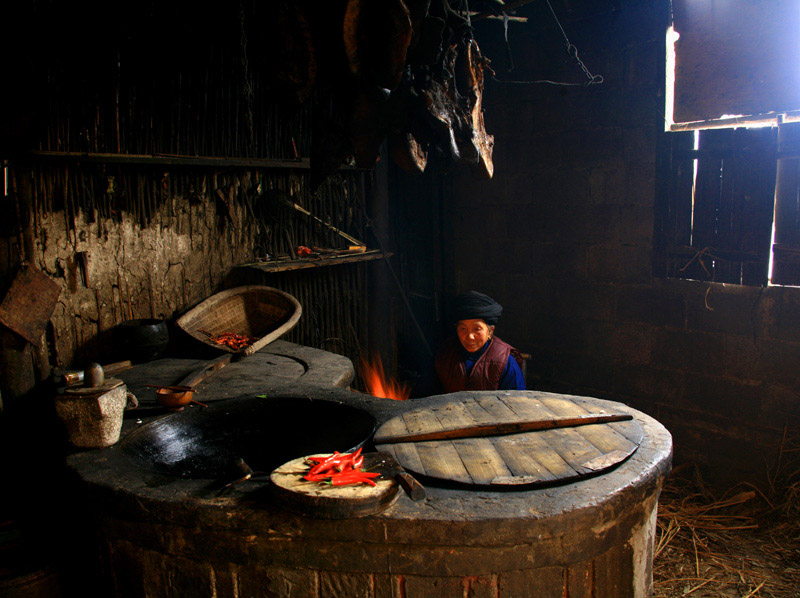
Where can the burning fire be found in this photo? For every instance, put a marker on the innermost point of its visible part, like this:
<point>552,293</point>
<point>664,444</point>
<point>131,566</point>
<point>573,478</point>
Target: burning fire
<point>377,383</point>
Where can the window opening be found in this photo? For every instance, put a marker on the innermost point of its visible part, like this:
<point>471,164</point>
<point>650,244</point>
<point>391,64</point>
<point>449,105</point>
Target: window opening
<point>786,244</point>
<point>731,63</point>
<point>729,208</point>
<point>669,99</point>
<point>720,195</point>
<point>694,177</point>
<point>771,267</point>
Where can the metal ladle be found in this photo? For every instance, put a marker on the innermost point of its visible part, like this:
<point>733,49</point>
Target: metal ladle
<point>169,391</point>
<point>188,384</point>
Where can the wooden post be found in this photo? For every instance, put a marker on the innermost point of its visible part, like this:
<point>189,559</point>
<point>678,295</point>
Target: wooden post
<point>382,333</point>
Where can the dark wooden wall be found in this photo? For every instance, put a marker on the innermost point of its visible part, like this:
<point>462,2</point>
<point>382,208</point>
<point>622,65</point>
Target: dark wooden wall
<point>563,238</point>
<point>159,150</point>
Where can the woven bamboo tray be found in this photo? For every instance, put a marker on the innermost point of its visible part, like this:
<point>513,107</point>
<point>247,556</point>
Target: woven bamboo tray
<point>254,310</point>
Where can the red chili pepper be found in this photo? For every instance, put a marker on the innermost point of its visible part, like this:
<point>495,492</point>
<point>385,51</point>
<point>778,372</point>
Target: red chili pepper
<point>231,339</point>
<point>317,477</point>
<point>317,459</point>
<point>355,473</point>
<point>338,460</point>
<point>335,459</point>
<point>352,478</point>
<point>347,474</point>
<point>317,467</point>
<point>368,474</point>
<point>348,479</point>
<point>336,466</point>
<point>321,468</point>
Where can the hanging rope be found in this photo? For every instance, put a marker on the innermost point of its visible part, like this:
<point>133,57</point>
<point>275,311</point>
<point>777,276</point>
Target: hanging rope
<point>591,79</point>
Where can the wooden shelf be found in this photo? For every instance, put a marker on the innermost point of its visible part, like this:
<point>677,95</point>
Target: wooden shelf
<point>172,160</point>
<point>315,261</point>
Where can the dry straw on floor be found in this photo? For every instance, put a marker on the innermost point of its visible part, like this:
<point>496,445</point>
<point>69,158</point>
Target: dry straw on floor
<point>740,543</point>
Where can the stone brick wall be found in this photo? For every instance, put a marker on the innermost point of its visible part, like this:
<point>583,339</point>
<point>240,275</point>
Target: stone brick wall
<point>565,231</point>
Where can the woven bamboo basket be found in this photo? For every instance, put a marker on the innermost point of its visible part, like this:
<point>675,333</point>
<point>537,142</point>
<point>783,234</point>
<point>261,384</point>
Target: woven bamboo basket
<point>254,310</point>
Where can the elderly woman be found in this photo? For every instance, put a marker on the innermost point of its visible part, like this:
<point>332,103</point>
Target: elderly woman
<point>476,359</point>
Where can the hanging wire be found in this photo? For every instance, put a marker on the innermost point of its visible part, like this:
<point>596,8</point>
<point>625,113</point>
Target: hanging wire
<point>591,79</point>
<point>509,55</point>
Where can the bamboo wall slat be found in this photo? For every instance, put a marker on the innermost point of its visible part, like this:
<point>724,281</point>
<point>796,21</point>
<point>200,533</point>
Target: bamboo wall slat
<point>160,238</point>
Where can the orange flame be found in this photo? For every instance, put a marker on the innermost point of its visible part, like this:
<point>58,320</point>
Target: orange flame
<point>378,384</point>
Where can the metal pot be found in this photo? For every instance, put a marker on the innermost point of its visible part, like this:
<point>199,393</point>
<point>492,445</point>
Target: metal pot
<point>142,340</point>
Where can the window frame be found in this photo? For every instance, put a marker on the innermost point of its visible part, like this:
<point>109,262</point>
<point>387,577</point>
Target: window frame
<point>715,206</point>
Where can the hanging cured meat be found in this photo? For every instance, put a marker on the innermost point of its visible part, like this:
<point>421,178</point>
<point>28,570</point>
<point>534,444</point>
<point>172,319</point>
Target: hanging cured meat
<point>454,100</point>
<point>439,97</point>
<point>406,70</point>
<point>377,34</point>
<point>408,153</point>
<point>470,81</point>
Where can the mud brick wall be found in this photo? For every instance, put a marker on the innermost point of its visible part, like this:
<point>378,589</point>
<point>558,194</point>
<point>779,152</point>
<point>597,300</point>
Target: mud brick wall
<point>563,238</point>
<point>133,271</point>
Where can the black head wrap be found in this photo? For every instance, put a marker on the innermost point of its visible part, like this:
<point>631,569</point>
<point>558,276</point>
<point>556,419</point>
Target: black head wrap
<point>473,305</point>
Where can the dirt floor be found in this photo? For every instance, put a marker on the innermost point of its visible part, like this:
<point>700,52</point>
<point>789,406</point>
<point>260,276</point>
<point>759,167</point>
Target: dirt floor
<point>741,543</point>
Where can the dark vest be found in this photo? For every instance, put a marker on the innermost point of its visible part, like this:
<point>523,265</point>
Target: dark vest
<point>485,374</point>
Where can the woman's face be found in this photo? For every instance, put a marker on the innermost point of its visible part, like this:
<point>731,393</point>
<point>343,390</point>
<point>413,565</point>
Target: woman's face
<point>473,334</point>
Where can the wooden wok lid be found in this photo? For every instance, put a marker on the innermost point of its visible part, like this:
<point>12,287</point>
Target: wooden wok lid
<point>533,457</point>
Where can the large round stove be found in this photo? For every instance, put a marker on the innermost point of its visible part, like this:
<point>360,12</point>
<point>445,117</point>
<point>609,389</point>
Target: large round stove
<point>167,528</point>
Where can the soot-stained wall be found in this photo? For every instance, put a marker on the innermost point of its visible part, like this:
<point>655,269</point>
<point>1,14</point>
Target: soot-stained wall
<point>563,237</point>
<point>144,164</point>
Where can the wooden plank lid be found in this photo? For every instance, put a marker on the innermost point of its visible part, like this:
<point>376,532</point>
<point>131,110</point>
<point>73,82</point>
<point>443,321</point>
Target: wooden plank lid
<point>546,455</point>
